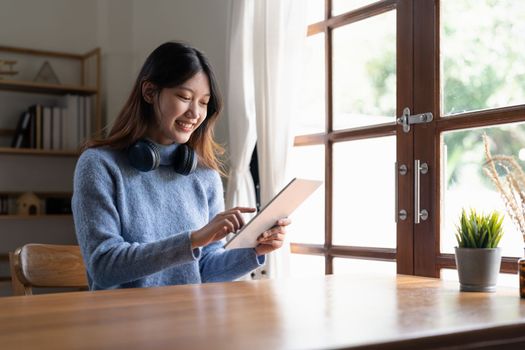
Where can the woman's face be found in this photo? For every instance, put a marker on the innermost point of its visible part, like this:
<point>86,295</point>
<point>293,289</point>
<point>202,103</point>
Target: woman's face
<point>180,110</point>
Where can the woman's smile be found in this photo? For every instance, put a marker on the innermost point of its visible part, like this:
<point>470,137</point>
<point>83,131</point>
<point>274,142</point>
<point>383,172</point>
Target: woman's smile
<point>184,127</point>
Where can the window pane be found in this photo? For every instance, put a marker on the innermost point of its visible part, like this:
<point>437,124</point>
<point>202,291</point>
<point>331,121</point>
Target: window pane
<point>310,117</point>
<point>308,220</point>
<point>362,266</point>
<point>483,61</point>
<point>364,72</point>
<point>363,198</point>
<point>504,279</point>
<point>306,265</point>
<point>465,185</point>
<point>342,6</point>
<point>315,11</point>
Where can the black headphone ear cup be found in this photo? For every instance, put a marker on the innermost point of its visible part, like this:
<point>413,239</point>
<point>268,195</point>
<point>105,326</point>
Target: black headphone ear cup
<point>184,160</point>
<point>144,155</point>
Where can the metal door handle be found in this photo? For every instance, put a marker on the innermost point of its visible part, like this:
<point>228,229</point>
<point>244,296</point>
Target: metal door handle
<point>399,214</point>
<point>419,168</point>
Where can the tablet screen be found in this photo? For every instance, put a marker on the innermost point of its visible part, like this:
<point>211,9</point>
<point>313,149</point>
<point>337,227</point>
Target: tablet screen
<point>281,206</point>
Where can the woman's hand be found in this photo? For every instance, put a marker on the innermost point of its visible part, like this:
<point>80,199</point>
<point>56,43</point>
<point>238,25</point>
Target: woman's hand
<point>273,238</point>
<point>222,224</point>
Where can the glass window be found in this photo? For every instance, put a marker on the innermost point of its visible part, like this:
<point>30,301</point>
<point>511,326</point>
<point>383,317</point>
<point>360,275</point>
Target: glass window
<point>364,72</point>
<point>482,60</point>
<point>310,115</point>
<point>342,6</point>
<point>363,198</point>
<point>465,185</point>
<point>314,11</point>
<point>308,220</point>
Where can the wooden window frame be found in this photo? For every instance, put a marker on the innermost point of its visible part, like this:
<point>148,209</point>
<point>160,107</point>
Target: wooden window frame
<point>418,246</point>
<point>330,136</point>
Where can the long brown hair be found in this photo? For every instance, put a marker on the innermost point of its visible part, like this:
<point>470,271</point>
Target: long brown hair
<point>169,65</point>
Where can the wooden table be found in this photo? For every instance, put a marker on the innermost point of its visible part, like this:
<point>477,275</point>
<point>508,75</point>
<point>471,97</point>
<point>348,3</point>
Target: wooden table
<point>343,311</point>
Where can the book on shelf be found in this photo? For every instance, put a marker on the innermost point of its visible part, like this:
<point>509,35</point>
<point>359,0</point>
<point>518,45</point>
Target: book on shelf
<point>21,138</point>
<point>47,127</point>
<point>4,205</point>
<point>35,126</point>
<point>71,122</point>
<point>56,133</point>
<point>28,133</point>
<point>63,127</point>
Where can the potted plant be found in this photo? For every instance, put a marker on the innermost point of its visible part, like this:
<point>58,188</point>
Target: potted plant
<point>478,257</point>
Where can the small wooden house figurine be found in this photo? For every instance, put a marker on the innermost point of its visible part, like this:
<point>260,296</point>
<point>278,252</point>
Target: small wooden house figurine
<point>28,204</point>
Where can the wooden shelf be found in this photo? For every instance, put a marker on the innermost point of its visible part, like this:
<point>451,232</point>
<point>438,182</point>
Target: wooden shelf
<point>38,152</point>
<point>40,194</point>
<point>34,217</point>
<point>55,89</point>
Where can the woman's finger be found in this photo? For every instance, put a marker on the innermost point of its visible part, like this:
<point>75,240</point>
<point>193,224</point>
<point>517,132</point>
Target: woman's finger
<point>238,216</point>
<point>277,229</point>
<point>234,220</point>
<point>229,225</point>
<point>271,237</point>
<point>244,209</point>
<point>273,243</point>
<point>284,222</point>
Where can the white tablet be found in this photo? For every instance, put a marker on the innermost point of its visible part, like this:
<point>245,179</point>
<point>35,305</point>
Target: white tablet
<point>281,206</point>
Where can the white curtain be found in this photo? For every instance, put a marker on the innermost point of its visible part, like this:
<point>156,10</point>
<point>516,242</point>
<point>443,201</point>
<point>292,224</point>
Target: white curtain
<point>279,38</point>
<point>266,43</point>
<point>241,106</point>
<point>240,190</point>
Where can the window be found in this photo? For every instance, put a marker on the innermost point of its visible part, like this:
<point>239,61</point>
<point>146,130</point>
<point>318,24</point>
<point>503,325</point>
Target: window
<point>368,61</point>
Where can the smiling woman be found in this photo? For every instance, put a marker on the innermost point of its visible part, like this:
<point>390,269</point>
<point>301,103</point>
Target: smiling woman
<point>174,72</point>
<point>179,110</point>
<point>148,199</point>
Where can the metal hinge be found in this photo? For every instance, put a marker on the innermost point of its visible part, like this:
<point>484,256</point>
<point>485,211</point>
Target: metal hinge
<point>406,119</point>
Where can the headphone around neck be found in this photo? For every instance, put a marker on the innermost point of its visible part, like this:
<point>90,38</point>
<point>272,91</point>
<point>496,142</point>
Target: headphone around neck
<point>144,155</point>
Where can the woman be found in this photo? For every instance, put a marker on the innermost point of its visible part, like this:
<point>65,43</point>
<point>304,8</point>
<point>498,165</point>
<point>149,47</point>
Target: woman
<point>148,200</point>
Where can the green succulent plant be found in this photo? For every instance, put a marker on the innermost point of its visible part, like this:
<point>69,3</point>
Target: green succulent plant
<point>479,230</point>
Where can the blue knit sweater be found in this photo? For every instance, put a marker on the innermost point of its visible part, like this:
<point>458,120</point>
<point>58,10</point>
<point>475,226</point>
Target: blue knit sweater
<point>134,228</point>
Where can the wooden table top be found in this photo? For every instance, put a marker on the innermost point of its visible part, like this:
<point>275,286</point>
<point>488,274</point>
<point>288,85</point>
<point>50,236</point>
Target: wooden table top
<point>331,312</point>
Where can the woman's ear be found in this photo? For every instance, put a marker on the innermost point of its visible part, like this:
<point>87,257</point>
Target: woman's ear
<point>148,91</point>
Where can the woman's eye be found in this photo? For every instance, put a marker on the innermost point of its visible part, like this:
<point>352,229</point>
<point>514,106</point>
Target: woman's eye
<point>184,98</point>
<point>204,103</point>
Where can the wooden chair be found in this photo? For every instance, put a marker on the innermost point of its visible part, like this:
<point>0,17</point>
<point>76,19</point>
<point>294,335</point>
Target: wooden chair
<point>47,266</point>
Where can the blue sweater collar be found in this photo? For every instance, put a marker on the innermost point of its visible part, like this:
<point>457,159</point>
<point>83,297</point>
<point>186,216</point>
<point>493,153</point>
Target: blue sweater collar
<point>166,153</point>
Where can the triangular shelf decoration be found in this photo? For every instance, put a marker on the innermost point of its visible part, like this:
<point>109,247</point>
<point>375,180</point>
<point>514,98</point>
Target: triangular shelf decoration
<point>46,74</point>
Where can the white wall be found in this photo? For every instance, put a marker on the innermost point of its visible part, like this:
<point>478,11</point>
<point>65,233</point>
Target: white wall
<point>115,39</point>
<point>50,24</point>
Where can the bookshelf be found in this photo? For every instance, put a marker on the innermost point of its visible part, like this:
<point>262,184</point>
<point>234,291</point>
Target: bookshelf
<point>75,74</point>
<point>69,77</point>
<point>85,81</point>
<point>47,172</point>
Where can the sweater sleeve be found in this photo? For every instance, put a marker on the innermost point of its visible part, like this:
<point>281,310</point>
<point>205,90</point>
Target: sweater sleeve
<point>109,259</point>
<point>216,263</point>
<point>220,265</point>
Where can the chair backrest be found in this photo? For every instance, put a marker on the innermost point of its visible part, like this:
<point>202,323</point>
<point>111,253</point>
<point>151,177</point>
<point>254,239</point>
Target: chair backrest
<point>47,266</point>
